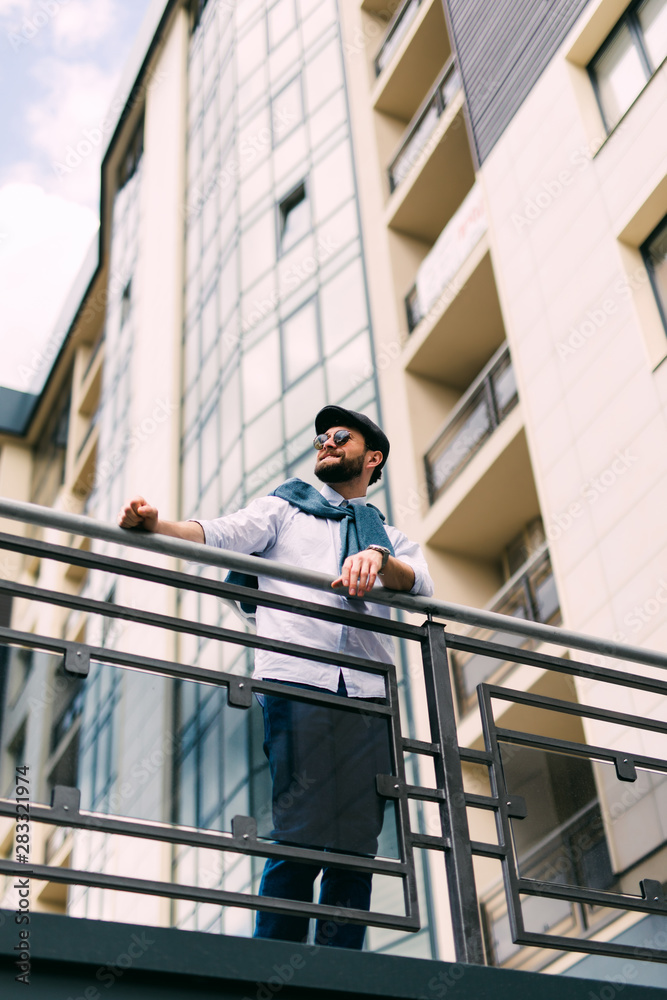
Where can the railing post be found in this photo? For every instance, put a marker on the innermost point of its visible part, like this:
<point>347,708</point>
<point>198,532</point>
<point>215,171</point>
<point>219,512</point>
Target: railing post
<point>466,925</point>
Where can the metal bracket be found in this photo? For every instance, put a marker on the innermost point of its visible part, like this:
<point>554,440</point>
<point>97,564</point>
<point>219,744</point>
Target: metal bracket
<point>516,807</point>
<point>388,786</point>
<point>625,768</point>
<point>77,662</point>
<point>244,828</point>
<point>65,801</point>
<point>239,693</point>
<point>653,892</point>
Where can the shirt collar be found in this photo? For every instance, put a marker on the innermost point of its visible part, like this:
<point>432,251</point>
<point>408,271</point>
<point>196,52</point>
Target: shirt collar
<point>336,499</point>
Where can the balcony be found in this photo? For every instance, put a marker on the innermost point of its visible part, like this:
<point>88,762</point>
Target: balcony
<point>424,124</point>
<point>396,31</point>
<point>142,853</point>
<point>491,397</point>
<point>411,56</point>
<point>455,293</point>
<point>577,850</point>
<point>432,170</point>
<point>531,595</point>
<point>452,248</point>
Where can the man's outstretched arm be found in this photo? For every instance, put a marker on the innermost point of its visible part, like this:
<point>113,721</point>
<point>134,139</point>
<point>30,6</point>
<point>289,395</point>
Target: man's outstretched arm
<point>138,513</point>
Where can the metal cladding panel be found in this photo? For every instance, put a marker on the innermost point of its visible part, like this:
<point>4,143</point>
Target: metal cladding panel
<point>502,49</point>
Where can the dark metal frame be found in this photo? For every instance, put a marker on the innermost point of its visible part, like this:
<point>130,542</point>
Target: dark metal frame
<point>434,97</point>
<point>482,388</point>
<point>630,20</point>
<point>650,268</point>
<point>391,28</point>
<point>453,838</point>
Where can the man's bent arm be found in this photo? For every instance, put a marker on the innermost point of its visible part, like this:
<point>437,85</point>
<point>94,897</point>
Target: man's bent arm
<point>140,514</point>
<point>398,575</point>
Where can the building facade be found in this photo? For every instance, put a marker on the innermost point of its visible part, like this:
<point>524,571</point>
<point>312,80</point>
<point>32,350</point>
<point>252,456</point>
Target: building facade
<point>452,217</point>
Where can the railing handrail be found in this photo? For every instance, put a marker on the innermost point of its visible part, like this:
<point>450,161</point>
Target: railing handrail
<point>474,387</point>
<point>77,524</point>
<point>415,121</point>
<point>396,19</point>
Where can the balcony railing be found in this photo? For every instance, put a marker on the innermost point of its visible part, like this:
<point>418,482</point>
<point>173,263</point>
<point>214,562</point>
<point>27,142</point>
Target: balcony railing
<point>424,124</point>
<point>452,248</point>
<point>398,27</point>
<point>491,397</point>
<point>530,594</point>
<point>576,852</point>
<point>449,835</point>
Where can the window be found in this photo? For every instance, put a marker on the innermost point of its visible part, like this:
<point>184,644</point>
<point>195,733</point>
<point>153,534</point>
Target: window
<point>654,252</point>
<point>629,57</point>
<point>301,349</point>
<point>281,20</point>
<point>196,11</point>
<point>293,217</point>
<point>286,110</point>
<point>125,303</point>
<point>130,161</point>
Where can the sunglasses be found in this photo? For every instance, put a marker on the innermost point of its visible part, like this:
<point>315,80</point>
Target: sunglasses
<point>340,438</point>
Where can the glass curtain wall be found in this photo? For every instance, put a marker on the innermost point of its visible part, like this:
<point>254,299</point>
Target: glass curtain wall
<point>276,325</point>
<point>99,748</point>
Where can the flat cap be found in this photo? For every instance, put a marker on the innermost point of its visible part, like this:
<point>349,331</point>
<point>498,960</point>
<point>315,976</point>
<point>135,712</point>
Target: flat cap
<point>333,416</point>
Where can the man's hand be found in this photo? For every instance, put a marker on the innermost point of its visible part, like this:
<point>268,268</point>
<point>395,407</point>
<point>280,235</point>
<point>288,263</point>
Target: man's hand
<point>138,513</point>
<point>359,572</point>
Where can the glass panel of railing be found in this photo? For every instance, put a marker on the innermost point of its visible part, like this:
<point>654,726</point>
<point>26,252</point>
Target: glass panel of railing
<point>492,397</point>
<point>451,249</point>
<point>395,34</point>
<point>532,595</point>
<point>545,596</point>
<point>458,445</point>
<point>420,130</point>
<point>409,154</point>
<point>503,381</point>
<point>450,86</point>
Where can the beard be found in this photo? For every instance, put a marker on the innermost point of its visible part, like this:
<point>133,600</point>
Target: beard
<point>340,472</point>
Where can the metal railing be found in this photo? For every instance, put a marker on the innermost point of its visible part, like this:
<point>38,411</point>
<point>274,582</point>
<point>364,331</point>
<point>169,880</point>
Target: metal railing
<point>424,124</point>
<point>397,29</point>
<point>530,594</point>
<point>484,405</point>
<point>448,793</point>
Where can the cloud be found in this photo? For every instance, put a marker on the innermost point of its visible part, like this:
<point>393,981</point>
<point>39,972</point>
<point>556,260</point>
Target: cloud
<point>69,23</point>
<point>83,22</point>
<point>65,127</point>
<point>43,241</point>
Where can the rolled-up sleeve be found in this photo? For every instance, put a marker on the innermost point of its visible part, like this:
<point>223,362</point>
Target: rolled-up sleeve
<point>411,554</point>
<point>251,530</point>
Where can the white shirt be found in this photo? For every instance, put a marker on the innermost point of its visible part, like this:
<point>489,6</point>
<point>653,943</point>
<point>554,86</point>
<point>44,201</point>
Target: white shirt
<point>275,529</point>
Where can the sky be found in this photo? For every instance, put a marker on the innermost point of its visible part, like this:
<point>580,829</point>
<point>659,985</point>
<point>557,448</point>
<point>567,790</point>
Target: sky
<point>60,64</point>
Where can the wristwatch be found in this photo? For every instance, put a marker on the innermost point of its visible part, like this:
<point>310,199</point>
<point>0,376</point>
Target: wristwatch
<point>385,555</point>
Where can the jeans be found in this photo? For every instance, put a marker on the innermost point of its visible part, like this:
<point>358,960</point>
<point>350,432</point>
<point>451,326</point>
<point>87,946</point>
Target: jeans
<point>294,880</point>
<point>338,754</point>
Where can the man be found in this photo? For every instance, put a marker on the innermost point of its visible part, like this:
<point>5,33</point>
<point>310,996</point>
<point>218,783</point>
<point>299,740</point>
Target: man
<point>323,761</point>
